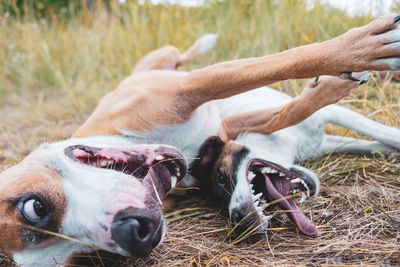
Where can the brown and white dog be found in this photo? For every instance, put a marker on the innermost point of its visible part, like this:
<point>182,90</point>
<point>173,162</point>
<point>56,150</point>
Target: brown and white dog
<point>256,171</point>
<point>104,185</point>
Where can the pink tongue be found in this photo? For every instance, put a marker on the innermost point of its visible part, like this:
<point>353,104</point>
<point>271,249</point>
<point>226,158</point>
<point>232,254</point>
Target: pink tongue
<point>304,224</point>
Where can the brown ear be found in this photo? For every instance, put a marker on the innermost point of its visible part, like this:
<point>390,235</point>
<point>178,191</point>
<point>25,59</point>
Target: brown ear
<point>209,153</point>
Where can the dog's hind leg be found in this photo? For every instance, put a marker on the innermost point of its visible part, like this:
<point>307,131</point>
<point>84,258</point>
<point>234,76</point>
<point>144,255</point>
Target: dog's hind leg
<point>348,145</point>
<point>349,119</point>
<point>169,57</point>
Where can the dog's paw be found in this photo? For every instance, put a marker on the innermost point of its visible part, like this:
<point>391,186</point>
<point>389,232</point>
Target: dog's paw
<point>326,90</point>
<point>375,46</point>
<point>207,42</point>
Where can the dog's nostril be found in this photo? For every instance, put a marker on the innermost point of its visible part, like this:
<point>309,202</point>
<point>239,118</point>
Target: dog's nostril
<point>141,230</point>
<point>136,234</point>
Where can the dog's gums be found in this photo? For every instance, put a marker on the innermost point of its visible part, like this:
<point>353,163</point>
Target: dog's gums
<point>273,183</point>
<point>158,169</point>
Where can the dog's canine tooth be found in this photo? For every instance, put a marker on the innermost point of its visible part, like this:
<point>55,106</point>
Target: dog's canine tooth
<point>303,197</point>
<point>274,171</point>
<point>160,157</point>
<point>173,181</point>
<point>256,203</point>
<point>281,174</point>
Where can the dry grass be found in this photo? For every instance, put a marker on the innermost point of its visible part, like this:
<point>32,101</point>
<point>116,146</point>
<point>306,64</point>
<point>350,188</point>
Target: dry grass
<point>53,72</point>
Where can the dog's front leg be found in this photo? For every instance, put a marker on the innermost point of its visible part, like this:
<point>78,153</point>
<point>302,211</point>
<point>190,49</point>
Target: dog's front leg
<point>375,46</point>
<point>318,93</point>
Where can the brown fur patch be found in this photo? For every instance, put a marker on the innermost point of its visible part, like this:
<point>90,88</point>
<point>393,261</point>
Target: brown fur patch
<point>225,164</point>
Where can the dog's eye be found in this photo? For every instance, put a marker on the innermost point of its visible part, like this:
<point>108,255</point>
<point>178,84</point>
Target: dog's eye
<point>220,178</point>
<point>34,210</point>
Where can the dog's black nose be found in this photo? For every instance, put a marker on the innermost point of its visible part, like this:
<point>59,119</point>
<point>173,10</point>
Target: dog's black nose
<point>136,231</point>
<point>243,219</point>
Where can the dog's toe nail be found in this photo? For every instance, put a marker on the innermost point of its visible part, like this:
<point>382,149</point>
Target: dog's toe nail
<point>363,81</point>
<point>347,75</point>
<point>316,79</point>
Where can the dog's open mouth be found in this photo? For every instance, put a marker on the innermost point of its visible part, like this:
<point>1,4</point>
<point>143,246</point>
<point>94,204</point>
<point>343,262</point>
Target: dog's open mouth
<point>273,183</point>
<point>158,167</point>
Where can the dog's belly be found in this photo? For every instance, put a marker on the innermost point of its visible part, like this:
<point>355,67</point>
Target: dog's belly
<point>186,137</point>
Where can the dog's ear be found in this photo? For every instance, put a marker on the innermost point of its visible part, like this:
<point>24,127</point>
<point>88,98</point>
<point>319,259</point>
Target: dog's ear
<point>209,153</point>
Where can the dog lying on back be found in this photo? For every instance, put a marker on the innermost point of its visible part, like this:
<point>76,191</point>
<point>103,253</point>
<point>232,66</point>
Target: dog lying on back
<point>257,171</point>
<point>104,187</point>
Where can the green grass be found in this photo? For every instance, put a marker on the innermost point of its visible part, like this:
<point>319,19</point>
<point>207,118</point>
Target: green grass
<point>54,70</point>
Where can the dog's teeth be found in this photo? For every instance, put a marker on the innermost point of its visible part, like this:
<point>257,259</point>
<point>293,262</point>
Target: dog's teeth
<point>303,197</point>
<point>266,170</point>
<point>281,174</point>
<point>252,191</point>
<point>297,180</point>
<point>110,161</point>
<point>257,196</point>
<point>251,175</point>
<point>104,163</point>
<point>173,181</point>
<point>177,171</point>
<point>256,203</point>
<point>263,201</point>
<point>294,191</point>
<point>160,157</point>
<point>274,171</point>
<point>306,187</point>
